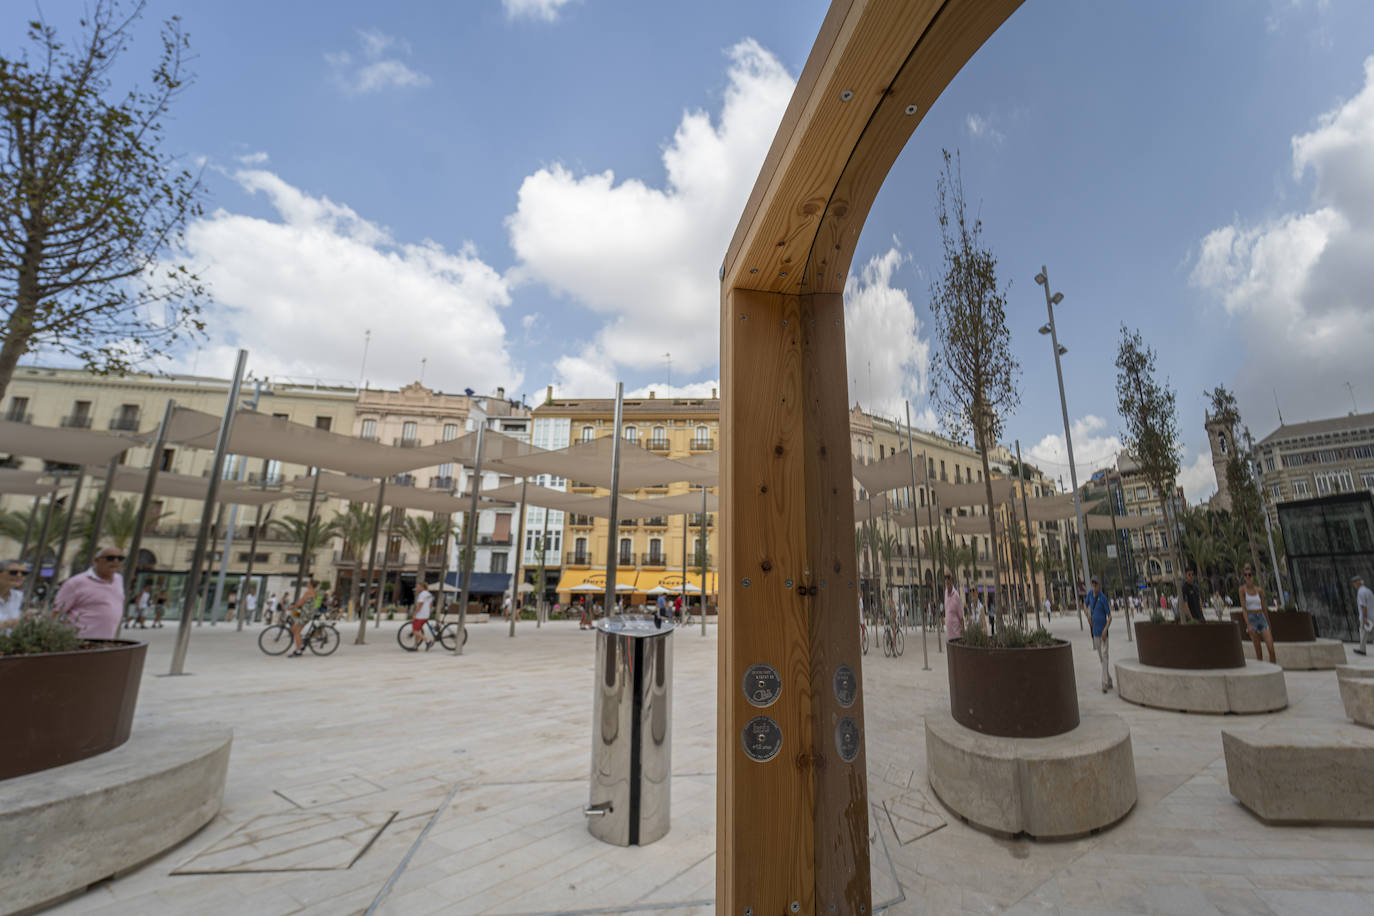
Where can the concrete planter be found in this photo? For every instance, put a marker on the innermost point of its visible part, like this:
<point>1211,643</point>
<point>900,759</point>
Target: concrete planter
<point>1188,645</point>
<point>67,706</point>
<point>1013,693</point>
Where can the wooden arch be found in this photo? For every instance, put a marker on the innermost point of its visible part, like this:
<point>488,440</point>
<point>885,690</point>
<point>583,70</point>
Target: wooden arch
<point>792,828</point>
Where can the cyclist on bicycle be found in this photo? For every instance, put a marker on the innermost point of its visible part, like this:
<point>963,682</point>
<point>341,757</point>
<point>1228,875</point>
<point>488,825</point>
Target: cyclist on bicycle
<point>300,611</point>
<point>424,605</point>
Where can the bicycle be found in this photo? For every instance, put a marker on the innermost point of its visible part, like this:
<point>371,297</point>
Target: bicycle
<point>319,635</point>
<point>863,636</point>
<point>894,643</point>
<point>447,635</point>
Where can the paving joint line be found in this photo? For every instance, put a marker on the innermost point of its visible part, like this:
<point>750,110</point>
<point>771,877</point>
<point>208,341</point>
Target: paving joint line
<point>405,861</point>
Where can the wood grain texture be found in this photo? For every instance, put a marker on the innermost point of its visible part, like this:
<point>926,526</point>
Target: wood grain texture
<point>830,156</point>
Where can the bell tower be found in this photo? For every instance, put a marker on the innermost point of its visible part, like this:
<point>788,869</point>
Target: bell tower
<point>1221,436</point>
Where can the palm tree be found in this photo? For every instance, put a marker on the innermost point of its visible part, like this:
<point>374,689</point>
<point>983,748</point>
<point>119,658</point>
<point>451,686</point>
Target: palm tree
<point>354,527</point>
<point>424,534</point>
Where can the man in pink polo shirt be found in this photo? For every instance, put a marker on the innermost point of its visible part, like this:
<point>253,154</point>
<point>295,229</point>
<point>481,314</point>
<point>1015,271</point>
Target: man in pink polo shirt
<point>954,609</point>
<point>93,601</point>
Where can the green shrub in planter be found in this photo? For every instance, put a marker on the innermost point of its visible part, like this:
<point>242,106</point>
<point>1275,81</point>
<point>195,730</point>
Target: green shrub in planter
<point>1157,616</point>
<point>37,635</point>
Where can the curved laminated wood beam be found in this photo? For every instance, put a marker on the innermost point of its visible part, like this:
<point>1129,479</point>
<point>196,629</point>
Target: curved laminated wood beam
<point>791,795</point>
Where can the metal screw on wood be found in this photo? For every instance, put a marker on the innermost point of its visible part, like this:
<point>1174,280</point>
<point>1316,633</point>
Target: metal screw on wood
<point>749,911</point>
<point>795,907</point>
<point>745,582</point>
<point>910,109</point>
<point>846,95</point>
<point>787,584</point>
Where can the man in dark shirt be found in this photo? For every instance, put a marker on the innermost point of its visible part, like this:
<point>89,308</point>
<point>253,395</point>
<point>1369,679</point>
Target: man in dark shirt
<point>1192,596</point>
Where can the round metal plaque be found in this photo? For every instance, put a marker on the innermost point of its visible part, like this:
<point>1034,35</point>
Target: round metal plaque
<point>846,686</point>
<point>762,685</point>
<point>847,739</point>
<point>762,739</point>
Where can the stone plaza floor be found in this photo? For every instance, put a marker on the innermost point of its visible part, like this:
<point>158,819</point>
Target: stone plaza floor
<point>380,781</point>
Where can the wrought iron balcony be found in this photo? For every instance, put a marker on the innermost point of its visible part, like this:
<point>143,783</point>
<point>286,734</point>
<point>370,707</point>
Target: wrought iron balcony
<point>657,445</point>
<point>126,424</point>
<point>403,442</point>
<point>657,521</point>
<point>654,559</point>
<point>18,416</point>
<point>404,480</point>
<point>579,521</point>
<point>703,445</point>
<point>77,421</point>
<point>579,558</point>
<point>441,483</point>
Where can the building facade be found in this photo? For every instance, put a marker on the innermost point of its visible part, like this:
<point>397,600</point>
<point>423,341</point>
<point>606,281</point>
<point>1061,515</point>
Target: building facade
<point>1317,458</point>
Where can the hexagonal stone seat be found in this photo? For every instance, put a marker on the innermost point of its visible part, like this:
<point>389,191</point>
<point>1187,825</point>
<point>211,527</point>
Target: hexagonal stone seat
<point>1303,771</point>
<point>1063,786</point>
<point>1357,693</point>
<point>1316,655</point>
<point>64,828</point>
<point>1258,687</point>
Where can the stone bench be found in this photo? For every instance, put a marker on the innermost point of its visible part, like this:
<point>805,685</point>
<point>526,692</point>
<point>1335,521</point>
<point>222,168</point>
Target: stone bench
<point>1258,687</point>
<point>64,828</point>
<point>1317,655</point>
<point>1062,786</point>
<point>1357,693</point>
<point>1303,771</point>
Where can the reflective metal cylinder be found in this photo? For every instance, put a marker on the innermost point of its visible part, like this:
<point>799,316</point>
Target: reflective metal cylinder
<point>631,731</point>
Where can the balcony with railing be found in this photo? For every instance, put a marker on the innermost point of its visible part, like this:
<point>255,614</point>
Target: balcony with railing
<point>629,523</point>
<point>695,520</point>
<point>404,480</point>
<point>657,445</point>
<point>441,483</point>
<point>703,445</point>
<point>625,558</point>
<point>405,442</point>
<point>579,558</point>
<point>18,416</point>
<point>658,560</point>
<point>124,424</point>
<point>657,521</point>
<point>579,521</point>
<point>77,421</point>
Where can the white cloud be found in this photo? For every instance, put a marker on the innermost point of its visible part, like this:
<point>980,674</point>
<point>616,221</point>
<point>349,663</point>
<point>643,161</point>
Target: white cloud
<point>586,374</point>
<point>1298,287</point>
<point>529,321</point>
<point>982,127</point>
<point>888,360</point>
<point>251,159</point>
<point>544,10</point>
<point>646,258</point>
<point>1093,449</point>
<point>299,291</point>
<point>1199,479</point>
<point>375,71</point>
<point>705,388</point>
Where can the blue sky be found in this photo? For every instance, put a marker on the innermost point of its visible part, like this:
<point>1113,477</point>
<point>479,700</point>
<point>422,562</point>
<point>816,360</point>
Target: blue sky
<point>531,192</point>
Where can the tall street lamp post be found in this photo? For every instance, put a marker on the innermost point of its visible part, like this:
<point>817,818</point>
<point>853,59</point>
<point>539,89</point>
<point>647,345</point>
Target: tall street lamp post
<point>1051,300</point>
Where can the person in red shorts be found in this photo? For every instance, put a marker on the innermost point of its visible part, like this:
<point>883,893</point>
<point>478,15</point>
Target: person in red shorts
<point>424,606</point>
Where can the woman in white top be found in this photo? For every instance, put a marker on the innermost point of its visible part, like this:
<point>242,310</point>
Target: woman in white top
<point>12,573</point>
<point>1256,617</point>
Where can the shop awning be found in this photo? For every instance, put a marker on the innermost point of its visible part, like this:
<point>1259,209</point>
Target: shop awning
<point>482,583</point>
<point>670,581</point>
<point>591,581</point>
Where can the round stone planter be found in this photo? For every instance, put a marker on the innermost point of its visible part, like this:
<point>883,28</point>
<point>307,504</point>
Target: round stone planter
<point>1013,693</point>
<point>67,706</point>
<point>1188,645</point>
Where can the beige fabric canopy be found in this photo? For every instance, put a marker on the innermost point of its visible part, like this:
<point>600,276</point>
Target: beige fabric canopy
<point>877,505</point>
<point>362,490</point>
<point>949,495</point>
<point>14,482</point>
<point>68,446</point>
<point>1123,522</point>
<point>1055,508</point>
<point>188,486</point>
<point>681,504</point>
<point>890,473</point>
<point>590,462</point>
<point>702,470</point>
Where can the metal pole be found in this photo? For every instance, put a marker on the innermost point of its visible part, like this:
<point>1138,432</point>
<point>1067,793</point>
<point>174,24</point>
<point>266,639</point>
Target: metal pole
<point>916,533</point>
<point>98,522</point>
<point>613,542</point>
<point>36,568</point>
<point>253,548</point>
<point>227,553</point>
<point>519,558</point>
<point>705,555</point>
<point>540,610</point>
<point>303,563</point>
<point>386,561</point>
<point>1273,558</point>
<point>371,563</point>
<point>67,527</point>
<point>470,537</point>
<point>210,564</point>
<point>190,599</point>
<point>1068,437</point>
<point>443,563</point>
<point>141,519</point>
<point>1073,568</point>
<point>1030,554</point>
<point>686,608</point>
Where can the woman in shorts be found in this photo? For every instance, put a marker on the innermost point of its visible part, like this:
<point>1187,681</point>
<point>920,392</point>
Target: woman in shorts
<point>1256,617</point>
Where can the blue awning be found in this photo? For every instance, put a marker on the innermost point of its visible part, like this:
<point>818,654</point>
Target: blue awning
<point>482,583</point>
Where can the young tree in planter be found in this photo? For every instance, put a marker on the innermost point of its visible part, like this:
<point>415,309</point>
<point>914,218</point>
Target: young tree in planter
<point>973,376</point>
<point>1148,409</point>
<point>1246,510</point>
<point>91,209</point>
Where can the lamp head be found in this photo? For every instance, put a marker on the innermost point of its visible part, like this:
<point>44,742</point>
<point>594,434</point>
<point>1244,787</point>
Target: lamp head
<point>1056,298</point>
<point>1040,279</point>
<point>1044,329</point>
<point>1063,349</point>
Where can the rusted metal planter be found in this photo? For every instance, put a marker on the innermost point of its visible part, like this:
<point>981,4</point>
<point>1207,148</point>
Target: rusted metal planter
<point>66,706</point>
<point>1287,626</point>
<point>1189,645</point>
<point>1013,693</point>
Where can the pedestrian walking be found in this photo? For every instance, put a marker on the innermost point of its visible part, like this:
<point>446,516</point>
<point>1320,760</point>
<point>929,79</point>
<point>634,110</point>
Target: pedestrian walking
<point>954,609</point>
<point>12,573</point>
<point>250,606</point>
<point>1218,604</point>
<point>1192,596</point>
<point>1256,617</point>
<point>93,601</point>
<point>1100,616</point>
<point>141,605</point>
<point>159,607</point>
<point>233,603</point>
<point>424,606</point>
<point>1364,610</point>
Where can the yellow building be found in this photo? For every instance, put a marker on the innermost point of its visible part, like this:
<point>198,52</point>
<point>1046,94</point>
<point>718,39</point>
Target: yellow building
<point>649,551</point>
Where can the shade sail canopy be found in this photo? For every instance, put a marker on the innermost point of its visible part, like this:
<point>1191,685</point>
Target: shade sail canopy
<point>972,494</point>
<point>68,446</point>
<point>876,505</point>
<point>189,486</point>
<point>487,583</point>
<point>681,504</point>
<point>259,435</point>
<point>890,473</point>
<point>1123,522</point>
<point>14,482</point>
<point>702,470</point>
<point>1055,508</point>
<point>590,462</point>
<point>362,490</point>
<point>970,524</point>
<point>549,498</point>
